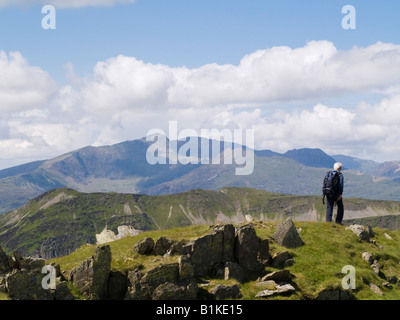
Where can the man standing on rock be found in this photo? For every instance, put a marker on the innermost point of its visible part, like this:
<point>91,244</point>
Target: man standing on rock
<point>336,197</point>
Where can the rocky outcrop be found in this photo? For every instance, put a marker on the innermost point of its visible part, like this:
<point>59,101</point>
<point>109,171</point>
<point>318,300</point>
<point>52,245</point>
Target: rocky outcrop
<point>91,276</point>
<point>108,235</point>
<point>210,251</point>
<point>172,281</point>
<point>225,253</point>
<point>27,285</point>
<point>25,278</point>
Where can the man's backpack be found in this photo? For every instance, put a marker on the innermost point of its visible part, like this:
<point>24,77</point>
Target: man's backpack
<point>330,185</point>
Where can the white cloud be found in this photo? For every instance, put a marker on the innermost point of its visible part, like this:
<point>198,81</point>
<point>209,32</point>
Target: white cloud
<point>279,74</point>
<point>64,3</point>
<point>21,85</point>
<point>285,74</point>
<point>125,83</point>
<point>125,97</point>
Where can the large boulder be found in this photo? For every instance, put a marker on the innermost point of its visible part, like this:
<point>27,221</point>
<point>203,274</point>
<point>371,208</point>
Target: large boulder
<point>247,246</point>
<point>223,292</point>
<point>211,250</point>
<point>91,276</point>
<point>287,235</point>
<point>159,275</point>
<point>173,281</point>
<point>144,246</point>
<point>162,246</point>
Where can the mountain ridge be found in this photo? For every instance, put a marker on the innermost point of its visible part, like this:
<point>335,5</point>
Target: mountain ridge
<point>122,167</point>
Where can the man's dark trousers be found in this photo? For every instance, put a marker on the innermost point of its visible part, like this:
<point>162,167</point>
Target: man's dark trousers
<point>329,209</point>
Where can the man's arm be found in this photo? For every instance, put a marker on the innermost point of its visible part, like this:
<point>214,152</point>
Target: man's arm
<point>341,185</point>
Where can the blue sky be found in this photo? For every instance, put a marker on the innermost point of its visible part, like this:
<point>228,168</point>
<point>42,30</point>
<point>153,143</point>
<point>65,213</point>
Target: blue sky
<point>150,61</point>
<point>191,33</point>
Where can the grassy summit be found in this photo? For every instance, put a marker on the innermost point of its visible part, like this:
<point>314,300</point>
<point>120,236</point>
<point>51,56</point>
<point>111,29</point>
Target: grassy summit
<point>317,267</point>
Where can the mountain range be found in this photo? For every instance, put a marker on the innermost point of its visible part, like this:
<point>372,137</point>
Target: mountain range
<point>123,168</point>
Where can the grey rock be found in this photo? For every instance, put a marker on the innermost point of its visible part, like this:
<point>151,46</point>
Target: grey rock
<point>144,246</point>
<point>375,289</point>
<point>207,253</point>
<point>228,241</point>
<point>162,246</point>
<point>376,267</point>
<point>361,231</point>
<point>247,245</point>
<point>165,282</point>
<point>278,276</point>
<point>223,292</point>
<point>279,259</point>
<point>91,276</point>
<point>287,235</point>
<point>279,290</point>
<point>186,271</point>
<point>174,291</point>
<point>267,284</point>
<point>367,256</point>
<point>134,289</point>
<point>387,236</point>
<point>263,252</point>
<point>179,248</point>
<point>160,274</point>
<point>27,285</point>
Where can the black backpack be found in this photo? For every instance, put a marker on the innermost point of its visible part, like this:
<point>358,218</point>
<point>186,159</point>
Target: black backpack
<point>330,186</point>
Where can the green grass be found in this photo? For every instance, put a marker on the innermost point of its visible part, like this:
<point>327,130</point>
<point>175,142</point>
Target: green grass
<point>4,296</point>
<point>123,256</point>
<point>318,263</point>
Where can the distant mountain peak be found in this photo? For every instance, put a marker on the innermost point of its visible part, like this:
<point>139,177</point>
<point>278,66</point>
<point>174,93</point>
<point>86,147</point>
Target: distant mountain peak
<point>311,157</point>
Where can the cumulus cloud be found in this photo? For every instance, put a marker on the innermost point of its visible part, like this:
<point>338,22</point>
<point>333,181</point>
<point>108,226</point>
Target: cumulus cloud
<point>21,85</point>
<point>125,97</point>
<point>277,74</point>
<point>64,3</point>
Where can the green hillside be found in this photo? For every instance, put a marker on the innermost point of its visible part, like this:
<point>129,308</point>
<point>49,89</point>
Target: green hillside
<point>59,221</point>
